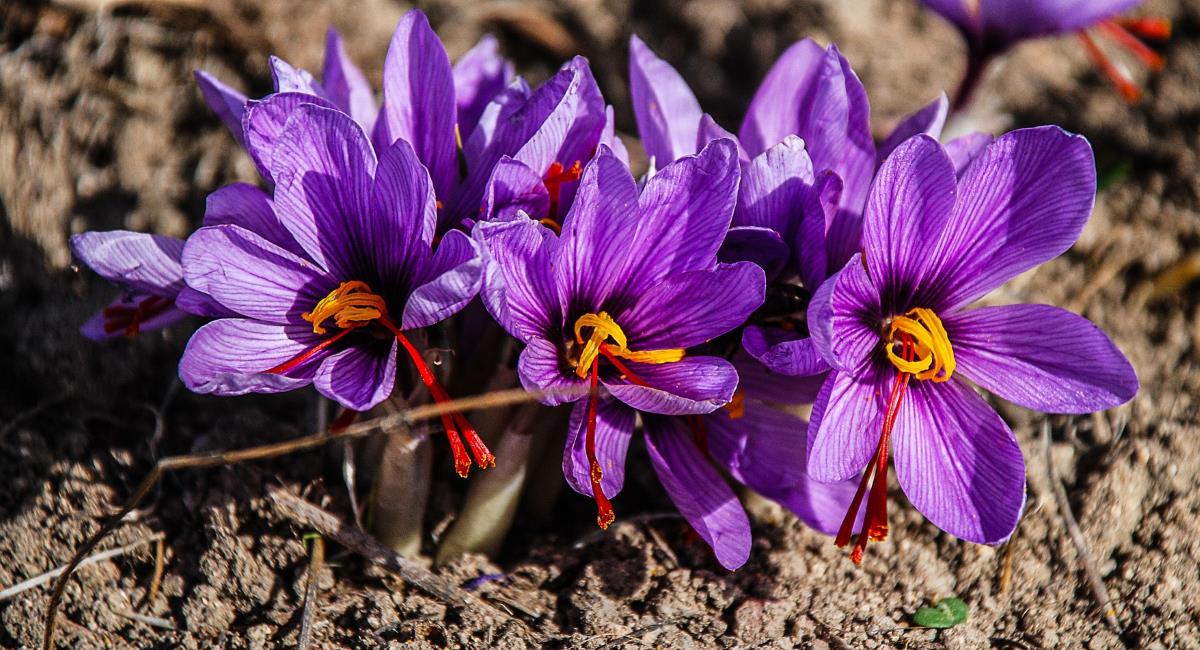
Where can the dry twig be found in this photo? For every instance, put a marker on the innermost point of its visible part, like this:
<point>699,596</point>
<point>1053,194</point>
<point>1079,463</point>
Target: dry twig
<point>316,564</point>
<point>1099,590</point>
<point>76,563</point>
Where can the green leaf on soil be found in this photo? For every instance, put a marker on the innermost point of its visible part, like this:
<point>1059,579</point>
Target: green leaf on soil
<point>948,612</point>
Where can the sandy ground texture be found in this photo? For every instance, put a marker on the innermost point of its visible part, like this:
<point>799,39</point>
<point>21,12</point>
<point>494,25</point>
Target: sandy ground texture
<point>101,127</point>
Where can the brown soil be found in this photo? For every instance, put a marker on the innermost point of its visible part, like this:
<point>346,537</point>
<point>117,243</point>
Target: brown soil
<point>101,127</point>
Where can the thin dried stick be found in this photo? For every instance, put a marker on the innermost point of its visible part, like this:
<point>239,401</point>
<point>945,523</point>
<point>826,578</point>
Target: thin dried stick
<point>159,565</point>
<point>1099,590</point>
<point>399,422</point>
<point>152,621</point>
<point>316,564</point>
<point>42,579</point>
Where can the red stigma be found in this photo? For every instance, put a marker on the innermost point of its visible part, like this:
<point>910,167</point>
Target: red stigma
<point>604,510</point>
<point>555,177</point>
<point>129,318</point>
<point>875,525</point>
<point>1126,33</point>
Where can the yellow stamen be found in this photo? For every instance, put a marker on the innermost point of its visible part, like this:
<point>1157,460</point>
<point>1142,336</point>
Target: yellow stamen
<point>552,225</point>
<point>352,304</point>
<point>737,406</point>
<point>605,328</point>
<point>934,356</point>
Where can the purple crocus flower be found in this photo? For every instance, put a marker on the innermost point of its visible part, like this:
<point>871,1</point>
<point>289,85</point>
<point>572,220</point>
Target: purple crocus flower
<point>807,161</point>
<point>147,269</point>
<point>893,325</point>
<point>615,307</point>
<point>992,27</point>
<point>328,278</point>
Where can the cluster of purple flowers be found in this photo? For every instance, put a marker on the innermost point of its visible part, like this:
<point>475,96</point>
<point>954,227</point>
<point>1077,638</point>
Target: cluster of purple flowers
<point>794,263</point>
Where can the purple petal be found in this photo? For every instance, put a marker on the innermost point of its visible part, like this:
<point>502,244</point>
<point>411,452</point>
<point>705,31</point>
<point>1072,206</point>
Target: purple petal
<point>227,103</point>
<point>773,188</point>
<point>685,211</point>
<point>609,137</point>
<point>323,168</point>
<point>479,76</point>
<point>843,319</point>
<point>264,122</point>
<point>94,330</point>
<point>910,205</point>
<point>688,309</point>
<point>541,371</point>
<point>290,79</point>
<point>418,99</point>
<point>245,205</point>
<point>197,303</point>
<point>251,276</point>
<point>228,357</point>
<point>765,449</point>
<point>503,106</point>
<point>512,189</point>
<point>846,423</point>
<point>700,493</point>
<point>518,285</point>
<point>593,259</point>
<point>689,386</point>
<point>399,232</point>
<point>761,383</point>
<point>709,131</point>
<point>827,236</point>
<point>929,120</point>
<point>345,85</point>
<point>787,353</point>
<point>762,246</point>
<point>815,95</point>
<point>774,112</point>
<point>667,113</point>
<point>1012,20</point>
<point>358,377</point>
<point>614,430</point>
<point>1041,357</point>
<point>964,149</point>
<point>140,261</point>
<point>447,284</point>
<point>958,463</point>
<point>1023,202</point>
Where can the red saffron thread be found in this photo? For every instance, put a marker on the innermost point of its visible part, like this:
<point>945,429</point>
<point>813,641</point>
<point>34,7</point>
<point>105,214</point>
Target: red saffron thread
<point>604,510</point>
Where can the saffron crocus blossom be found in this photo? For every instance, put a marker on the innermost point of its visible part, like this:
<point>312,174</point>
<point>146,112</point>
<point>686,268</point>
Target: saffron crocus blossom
<point>893,325</point>
<point>807,161</point>
<point>537,153</point>
<point>609,310</point>
<point>337,273</point>
<point>147,268</point>
<point>992,27</point>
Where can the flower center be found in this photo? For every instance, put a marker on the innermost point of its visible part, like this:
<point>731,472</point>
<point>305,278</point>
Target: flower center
<point>931,356</point>
<point>353,305</point>
<point>350,305</point>
<point>130,317</point>
<point>554,179</point>
<point>604,329</point>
